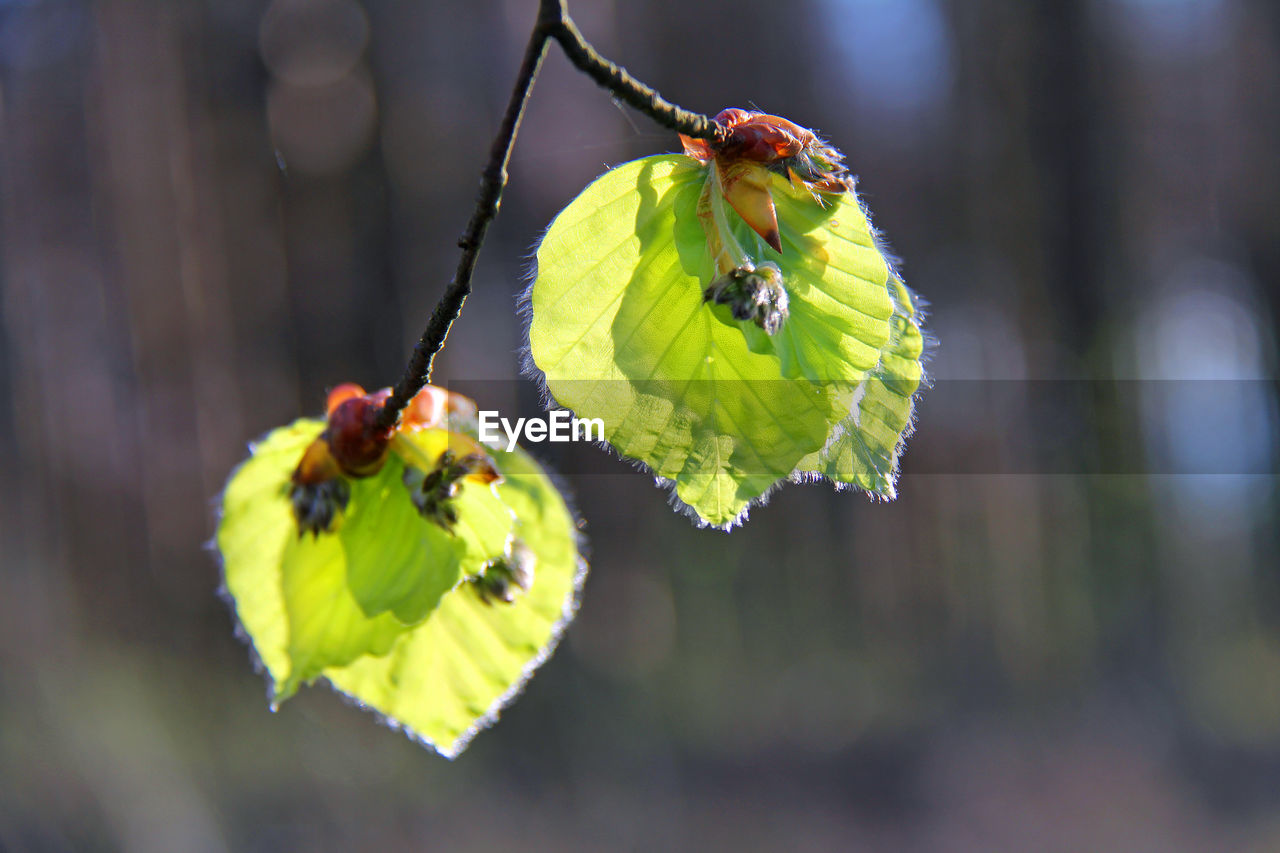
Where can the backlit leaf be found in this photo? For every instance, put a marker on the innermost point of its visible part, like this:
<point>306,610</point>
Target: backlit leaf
<point>449,678</point>
<point>387,604</point>
<point>623,327</point>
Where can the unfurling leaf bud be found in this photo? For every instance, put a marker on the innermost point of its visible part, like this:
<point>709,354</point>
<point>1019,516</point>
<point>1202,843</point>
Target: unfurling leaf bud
<point>754,294</point>
<point>433,492</point>
<point>352,445</point>
<point>432,407</point>
<point>504,576</point>
<point>318,491</point>
<point>317,506</point>
<point>779,145</point>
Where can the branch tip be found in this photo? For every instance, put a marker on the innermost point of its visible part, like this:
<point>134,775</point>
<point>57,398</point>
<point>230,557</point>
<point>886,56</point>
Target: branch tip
<point>553,23</point>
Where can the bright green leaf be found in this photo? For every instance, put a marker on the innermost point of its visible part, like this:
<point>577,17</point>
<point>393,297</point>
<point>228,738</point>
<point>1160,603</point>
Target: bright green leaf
<point>323,623</point>
<point>485,523</point>
<point>865,446</point>
<point>327,626</point>
<point>255,528</point>
<point>620,331</point>
<point>449,678</point>
<point>395,561</point>
<point>448,673</point>
<point>400,562</point>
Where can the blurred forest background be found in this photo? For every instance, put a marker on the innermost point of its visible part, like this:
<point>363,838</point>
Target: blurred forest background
<point>1063,636</point>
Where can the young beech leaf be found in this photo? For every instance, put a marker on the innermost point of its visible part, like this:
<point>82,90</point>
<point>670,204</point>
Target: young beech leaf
<point>384,598</point>
<point>864,446</point>
<point>732,318</point>
<point>449,678</point>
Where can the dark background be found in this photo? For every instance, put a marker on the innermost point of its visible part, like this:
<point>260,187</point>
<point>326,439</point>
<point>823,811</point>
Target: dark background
<point>1063,636</point>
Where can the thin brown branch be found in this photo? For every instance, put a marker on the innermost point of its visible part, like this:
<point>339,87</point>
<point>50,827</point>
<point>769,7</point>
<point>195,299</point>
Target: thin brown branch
<point>620,83</point>
<point>553,23</point>
<point>492,181</point>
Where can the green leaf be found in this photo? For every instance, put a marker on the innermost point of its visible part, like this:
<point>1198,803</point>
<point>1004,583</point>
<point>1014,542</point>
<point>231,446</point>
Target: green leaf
<point>395,561</point>
<point>323,621</point>
<point>327,626</point>
<point>445,672</point>
<point>836,277</point>
<point>485,523</point>
<point>865,446</point>
<point>255,528</point>
<point>449,678</point>
<point>620,331</point>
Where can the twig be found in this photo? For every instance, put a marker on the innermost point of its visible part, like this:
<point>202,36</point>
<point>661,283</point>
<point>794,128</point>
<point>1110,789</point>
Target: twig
<point>492,181</point>
<point>616,79</point>
<point>553,23</point>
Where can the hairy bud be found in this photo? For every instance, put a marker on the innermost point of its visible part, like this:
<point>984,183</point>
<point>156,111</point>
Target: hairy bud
<point>433,491</point>
<point>754,294</point>
<point>318,491</point>
<point>502,578</point>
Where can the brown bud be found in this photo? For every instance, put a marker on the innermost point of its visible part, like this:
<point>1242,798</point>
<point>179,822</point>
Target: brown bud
<point>356,441</point>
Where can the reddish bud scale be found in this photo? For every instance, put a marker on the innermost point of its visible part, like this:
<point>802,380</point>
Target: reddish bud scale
<point>763,138</point>
<point>354,446</point>
<point>753,136</point>
<point>427,409</point>
<point>357,443</point>
<point>317,465</point>
<point>756,145</point>
<point>341,394</point>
